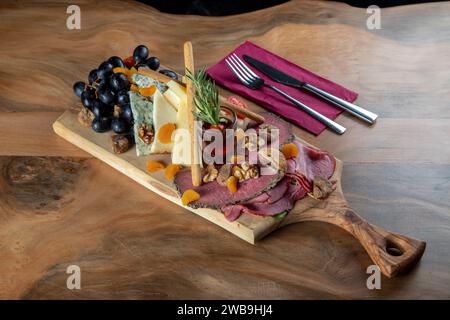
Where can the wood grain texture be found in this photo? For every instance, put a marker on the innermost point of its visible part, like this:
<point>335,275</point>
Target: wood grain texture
<point>396,175</point>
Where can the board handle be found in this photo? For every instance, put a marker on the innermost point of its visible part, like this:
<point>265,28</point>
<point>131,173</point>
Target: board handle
<point>391,252</point>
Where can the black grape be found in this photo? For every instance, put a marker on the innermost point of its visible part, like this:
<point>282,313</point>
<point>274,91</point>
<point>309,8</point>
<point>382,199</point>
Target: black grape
<point>118,81</point>
<point>119,125</point>
<point>105,70</point>
<point>117,62</point>
<point>122,98</point>
<point>126,113</point>
<point>92,76</point>
<point>169,73</point>
<point>140,53</point>
<point>87,98</point>
<point>101,124</point>
<point>106,96</point>
<point>99,109</point>
<point>103,85</point>
<point>153,63</point>
<point>78,88</point>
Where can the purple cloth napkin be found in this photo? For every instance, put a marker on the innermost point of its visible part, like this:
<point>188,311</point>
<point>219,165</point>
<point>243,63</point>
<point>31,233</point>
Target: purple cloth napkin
<point>272,101</point>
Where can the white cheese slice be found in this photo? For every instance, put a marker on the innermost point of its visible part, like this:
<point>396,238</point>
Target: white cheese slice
<point>163,113</point>
<point>181,152</point>
<point>175,93</point>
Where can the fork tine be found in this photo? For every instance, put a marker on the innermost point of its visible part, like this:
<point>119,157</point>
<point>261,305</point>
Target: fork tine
<point>236,73</point>
<point>241,68</point>
<point>245,66</point>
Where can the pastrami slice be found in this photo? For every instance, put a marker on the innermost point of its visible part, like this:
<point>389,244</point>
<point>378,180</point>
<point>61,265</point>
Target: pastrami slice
<point>213,195</point>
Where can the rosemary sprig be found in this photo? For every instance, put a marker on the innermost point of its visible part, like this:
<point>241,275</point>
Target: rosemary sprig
<point>206,97</point>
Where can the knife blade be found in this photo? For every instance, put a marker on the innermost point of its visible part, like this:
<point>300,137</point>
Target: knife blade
<point>283,78</point>
<point>273,73</point>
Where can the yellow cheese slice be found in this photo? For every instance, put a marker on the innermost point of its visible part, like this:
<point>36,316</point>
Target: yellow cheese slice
<point>163,113</point>
<point>181,153</point>
<point>175,93</point>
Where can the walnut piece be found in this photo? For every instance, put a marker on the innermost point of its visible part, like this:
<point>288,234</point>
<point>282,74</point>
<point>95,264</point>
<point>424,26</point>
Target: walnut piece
<point>85,117</point>
<point>238,173</point>
<point>121,143</point>
<point>145,133</point>
<point>322,187</point>
<point>245,171</point>
<point>211,173</point>
<point>254,173</point>
<point>117,111</point>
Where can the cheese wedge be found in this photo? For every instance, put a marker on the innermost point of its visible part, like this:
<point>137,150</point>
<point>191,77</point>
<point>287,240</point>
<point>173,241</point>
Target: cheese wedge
<point>181,152</point>
<point>142,109</point>
<point>175,93</point>
<point>163,113</point>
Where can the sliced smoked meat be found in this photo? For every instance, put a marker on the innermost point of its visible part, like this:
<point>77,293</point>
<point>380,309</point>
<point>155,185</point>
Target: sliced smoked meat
<point>301,171</point>
<point>213,195</point>
<point>313,162</point>
<point>285,129</point>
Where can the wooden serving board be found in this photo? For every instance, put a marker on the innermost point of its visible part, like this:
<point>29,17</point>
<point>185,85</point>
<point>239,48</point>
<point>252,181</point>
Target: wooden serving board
<point>392,252</point>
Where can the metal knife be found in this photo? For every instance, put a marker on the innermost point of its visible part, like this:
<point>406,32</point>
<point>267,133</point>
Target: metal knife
<point>286,79</point>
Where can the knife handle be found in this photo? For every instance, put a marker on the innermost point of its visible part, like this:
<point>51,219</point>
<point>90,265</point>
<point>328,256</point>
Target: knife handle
<point>357,111</point>
<point>336,127</point>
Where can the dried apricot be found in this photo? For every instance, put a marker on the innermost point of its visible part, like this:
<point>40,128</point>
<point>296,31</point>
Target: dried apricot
<point>153,166</point>
<point>188,196</point>
<point>164,134</point>
<point>171,171</point>
<point>134,88</point>
<point>232,184</point>
<point>289,150</point>
<point>125,71</point>
<point>147,92</point>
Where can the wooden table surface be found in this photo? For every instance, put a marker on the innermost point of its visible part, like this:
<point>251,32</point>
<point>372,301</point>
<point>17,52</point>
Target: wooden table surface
<point>59,206</point>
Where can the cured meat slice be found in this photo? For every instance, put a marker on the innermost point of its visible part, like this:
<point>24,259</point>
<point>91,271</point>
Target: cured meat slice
<point>213,195</point>
<point>313,162</point>
<point>285,129</point>
<point>300,173</point>
<point>271,203</point>
<point>276,193</point>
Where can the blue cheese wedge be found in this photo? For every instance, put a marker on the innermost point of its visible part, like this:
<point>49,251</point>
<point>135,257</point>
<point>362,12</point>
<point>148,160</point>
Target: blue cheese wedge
<point>163,113</point>
<point>144,132</point>
<point>142,81</point>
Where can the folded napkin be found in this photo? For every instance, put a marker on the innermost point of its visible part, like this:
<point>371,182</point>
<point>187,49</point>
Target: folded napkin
<point>272,101</point>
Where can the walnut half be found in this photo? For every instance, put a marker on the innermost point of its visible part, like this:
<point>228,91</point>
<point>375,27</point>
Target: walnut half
<point>245,171</point>
<point>145,133</point>
<point>211,173</point>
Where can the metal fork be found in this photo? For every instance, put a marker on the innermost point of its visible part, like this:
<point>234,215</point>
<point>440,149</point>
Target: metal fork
<point>254,82</point>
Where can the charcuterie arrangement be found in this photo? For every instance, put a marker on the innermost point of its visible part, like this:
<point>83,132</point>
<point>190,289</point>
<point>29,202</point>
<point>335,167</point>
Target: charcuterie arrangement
<point>212,154</point>
<point>126,97</point>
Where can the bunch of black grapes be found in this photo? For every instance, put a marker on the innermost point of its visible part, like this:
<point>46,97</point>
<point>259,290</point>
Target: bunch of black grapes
<point>106,90</point>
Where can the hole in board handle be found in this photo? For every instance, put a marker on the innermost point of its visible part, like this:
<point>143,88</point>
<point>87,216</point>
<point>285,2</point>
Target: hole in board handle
<point>393,250</point>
